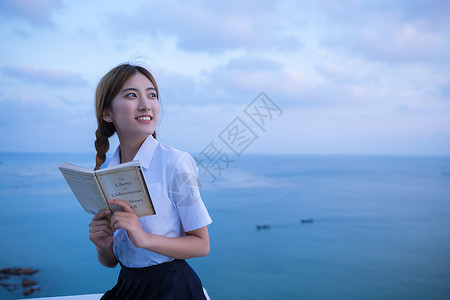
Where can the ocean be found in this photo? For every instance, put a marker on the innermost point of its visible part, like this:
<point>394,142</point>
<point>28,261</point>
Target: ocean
<point>380,228</point>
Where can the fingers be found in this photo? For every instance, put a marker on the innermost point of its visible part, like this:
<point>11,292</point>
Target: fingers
<point>102,229</point>
<point>123,204</point>
<point>126,220</point>
<point>97,237</point>
<point>100,223</point>
<point>101,233</point>
<point>96,223</point>
<point>120,220</point>
<point>130,222</point>
<point>101,214</point>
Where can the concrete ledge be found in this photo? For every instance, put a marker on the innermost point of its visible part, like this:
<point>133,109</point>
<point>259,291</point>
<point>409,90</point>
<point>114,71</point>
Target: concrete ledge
<point>86,297</point>
<point>77,297</point>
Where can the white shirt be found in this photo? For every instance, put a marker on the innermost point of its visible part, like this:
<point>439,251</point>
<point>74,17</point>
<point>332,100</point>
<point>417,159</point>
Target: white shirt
<point>171,177</point>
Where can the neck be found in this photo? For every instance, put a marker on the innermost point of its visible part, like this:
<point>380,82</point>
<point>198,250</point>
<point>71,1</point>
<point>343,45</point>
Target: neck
<point>129,148</point>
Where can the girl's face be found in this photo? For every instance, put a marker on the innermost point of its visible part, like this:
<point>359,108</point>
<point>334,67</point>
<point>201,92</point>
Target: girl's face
<point>134,110</point>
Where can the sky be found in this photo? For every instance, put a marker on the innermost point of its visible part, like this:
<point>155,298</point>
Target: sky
<point>291,77</point>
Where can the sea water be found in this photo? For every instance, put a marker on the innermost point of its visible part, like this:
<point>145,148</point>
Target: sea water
<point>380,230</point>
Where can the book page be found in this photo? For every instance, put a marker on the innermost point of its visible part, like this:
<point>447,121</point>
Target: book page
<point>85,189</point>
<point>127,184</point>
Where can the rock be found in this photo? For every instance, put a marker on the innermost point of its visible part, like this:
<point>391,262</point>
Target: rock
<point>6,271</point>
<point>31,290</point>
<point>27,282</point>
<point>27,271</point>
<point>18,271</point>
<point>30,285</point>
<point>9,286</point>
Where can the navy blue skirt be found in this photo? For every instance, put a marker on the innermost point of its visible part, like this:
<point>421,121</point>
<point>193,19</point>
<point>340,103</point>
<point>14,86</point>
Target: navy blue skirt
<point>166,281</point>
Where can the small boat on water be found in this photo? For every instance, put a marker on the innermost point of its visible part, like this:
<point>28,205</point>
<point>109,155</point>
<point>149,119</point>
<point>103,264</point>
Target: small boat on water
<point>306,220</point>
<point>264,226</point>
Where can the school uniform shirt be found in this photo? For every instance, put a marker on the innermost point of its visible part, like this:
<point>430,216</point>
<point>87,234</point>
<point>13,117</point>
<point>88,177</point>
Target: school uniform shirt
<point>171,177</point>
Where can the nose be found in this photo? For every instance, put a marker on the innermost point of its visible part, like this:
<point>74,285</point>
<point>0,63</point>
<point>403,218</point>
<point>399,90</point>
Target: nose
<point>144,104</point>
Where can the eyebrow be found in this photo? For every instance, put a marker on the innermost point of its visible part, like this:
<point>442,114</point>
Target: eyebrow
<point>135,90</point>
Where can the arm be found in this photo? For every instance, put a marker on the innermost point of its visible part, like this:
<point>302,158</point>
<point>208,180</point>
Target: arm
<point>101,234</point>
<point>194,244</point>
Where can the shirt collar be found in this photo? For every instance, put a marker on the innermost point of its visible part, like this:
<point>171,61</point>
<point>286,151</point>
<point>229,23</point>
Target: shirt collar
<point>144,155</point>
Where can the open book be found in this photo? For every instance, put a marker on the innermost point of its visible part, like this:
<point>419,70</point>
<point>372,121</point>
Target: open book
<point>93,189</point>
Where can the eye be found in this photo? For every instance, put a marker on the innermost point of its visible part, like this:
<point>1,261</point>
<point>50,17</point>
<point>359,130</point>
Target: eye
<point>131,95</point>
<point>152,95</point>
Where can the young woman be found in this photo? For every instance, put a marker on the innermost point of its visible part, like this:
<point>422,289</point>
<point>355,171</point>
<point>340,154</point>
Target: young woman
<point>151,250</point>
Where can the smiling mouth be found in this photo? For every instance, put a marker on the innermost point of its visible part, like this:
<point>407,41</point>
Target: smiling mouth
<point>146,118</point>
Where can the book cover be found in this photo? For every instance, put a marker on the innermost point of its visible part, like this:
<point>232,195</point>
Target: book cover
<point>93,189</point>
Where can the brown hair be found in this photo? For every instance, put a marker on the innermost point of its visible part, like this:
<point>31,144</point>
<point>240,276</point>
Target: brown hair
<point>108,87</point>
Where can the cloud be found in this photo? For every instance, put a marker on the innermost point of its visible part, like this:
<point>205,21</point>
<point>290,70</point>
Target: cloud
<point>391,31</point>
<point>52,77</point>
<point>252,62</point>
<point>445,90</point>
<point>397,43</point>
<point>245,77</point>
<point>205,27</point>
<point>337,73</point>
<point>37,12</point>
<point>29,123</point>
<point>342,71</point>
<point>237,82</point>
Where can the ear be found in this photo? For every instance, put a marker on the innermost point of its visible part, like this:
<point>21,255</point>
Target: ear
<point>107,116</point>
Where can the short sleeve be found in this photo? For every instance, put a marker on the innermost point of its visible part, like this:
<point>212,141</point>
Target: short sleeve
<point>184,192</point>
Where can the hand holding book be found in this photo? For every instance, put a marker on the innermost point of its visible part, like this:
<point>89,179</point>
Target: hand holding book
<point>100,230</point>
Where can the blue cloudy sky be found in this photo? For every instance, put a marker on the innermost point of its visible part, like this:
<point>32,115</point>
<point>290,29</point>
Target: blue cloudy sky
<point>351,77</point>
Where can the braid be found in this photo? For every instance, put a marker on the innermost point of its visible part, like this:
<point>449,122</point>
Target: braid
<point>103,132</point>
<point>101,145</point>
